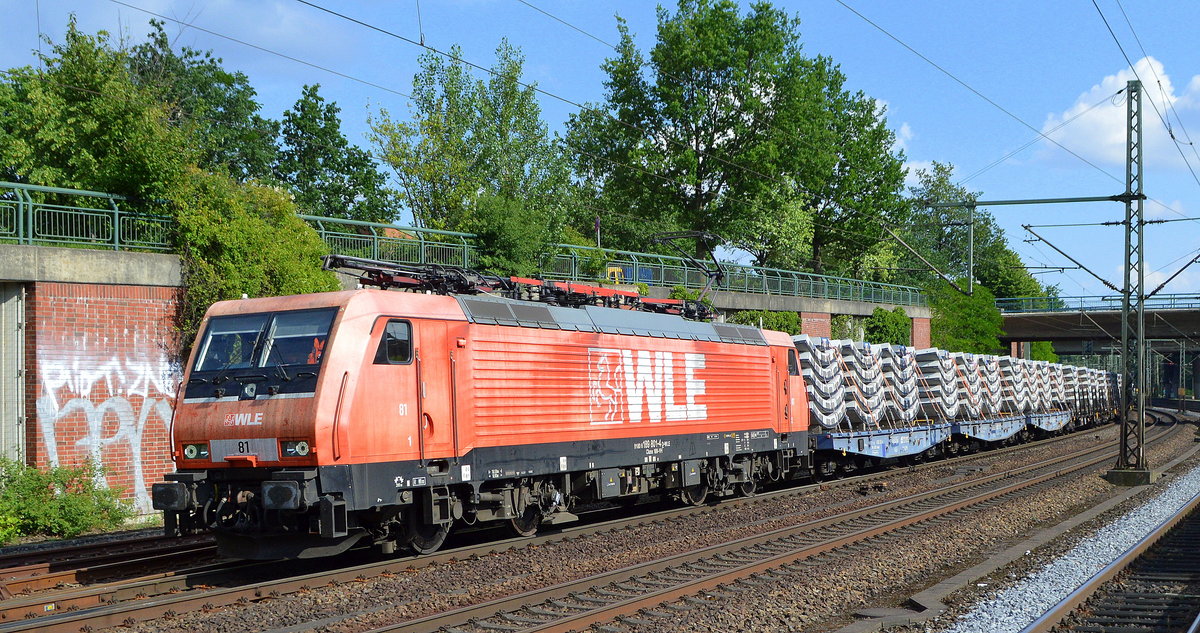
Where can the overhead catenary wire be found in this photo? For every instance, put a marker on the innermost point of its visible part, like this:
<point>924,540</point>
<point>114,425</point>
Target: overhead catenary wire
<point>1161,118</point>
<point>988,100</point>
<point>1158,80</point>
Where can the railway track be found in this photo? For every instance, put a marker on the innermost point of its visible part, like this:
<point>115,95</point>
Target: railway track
<point>167,594</point>
<point>1153,588</point>
<point>659,590</point>
<point>28,572</point>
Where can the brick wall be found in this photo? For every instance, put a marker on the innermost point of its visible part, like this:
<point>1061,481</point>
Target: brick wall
<point>815,324</point>
<point>101,361</point>
<point>920,333</point>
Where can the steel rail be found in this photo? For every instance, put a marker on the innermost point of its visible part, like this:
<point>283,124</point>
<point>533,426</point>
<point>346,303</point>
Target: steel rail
<point>1093,586</point>
<point>163,583</point>
<point>492,609</point>
<point>35,608</point>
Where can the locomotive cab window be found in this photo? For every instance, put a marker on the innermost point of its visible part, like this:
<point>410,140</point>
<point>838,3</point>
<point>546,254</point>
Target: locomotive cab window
<point>395,347</point>
<point>793,364</point>
<point>265,340</point>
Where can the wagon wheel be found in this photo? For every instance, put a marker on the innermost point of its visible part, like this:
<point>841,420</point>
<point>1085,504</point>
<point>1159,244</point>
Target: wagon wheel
<point>747,488</point>
<point>526,524</point>
<point>422,538</point>
<point>694,495</point>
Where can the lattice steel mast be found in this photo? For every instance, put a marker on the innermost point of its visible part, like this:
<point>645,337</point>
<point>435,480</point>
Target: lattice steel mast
<point>1133,343</point>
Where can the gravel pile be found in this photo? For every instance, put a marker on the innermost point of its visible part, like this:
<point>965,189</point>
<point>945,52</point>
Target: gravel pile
<point>1025,601</point>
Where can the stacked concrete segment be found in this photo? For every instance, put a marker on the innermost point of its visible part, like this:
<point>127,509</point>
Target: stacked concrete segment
<point>821,367</point>
<point>861,387</point>
<point>1014,386</point>
<point>864,383</point>
<point>937,384</point>
<point>901,401</point>
<point>970,384</point>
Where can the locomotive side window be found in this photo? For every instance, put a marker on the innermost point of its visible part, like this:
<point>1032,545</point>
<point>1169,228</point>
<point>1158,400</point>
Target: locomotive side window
<point>395,348</point>
<point>793,364</point>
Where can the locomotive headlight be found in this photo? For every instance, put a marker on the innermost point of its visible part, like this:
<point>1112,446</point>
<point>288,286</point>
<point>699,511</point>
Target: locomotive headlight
<point>296,449</point>
<point>195,451</point>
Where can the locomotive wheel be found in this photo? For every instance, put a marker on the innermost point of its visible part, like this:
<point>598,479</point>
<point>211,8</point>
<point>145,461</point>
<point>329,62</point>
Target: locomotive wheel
<point>425,539</point>
<point>747,488</point>
<point>694,495</point>
<point>527,524</point>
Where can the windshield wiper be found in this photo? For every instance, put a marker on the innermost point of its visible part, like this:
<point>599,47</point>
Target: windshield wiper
<point>220,377</point>
<point>275,352</point>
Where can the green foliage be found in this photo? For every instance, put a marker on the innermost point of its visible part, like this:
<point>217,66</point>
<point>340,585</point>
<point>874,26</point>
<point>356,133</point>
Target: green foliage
<point>643,288</point>
<point>844,326</point>
<point>62,501</point>
<point>766,145</point>
<point>473,142</point>
<point>687,294</point>
<point>1042,350</point>
<point>512,238</point>
<point>329,176</point>
<point>780,321</point>
<point>83,123</point>
<point>216,106</point>
<point>962,323</point>
<point>888,326</point>
<point>239,239</point>
<point>942,237</point>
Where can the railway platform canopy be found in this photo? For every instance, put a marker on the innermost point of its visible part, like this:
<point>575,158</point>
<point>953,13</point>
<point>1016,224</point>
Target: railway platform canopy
<point>1096,318</point>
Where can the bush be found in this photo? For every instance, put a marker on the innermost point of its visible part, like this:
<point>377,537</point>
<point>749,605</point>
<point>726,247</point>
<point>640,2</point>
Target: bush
<point>241,238</point>
<point>62,501</point>
<point>884,326</point>
<point>788,322</point>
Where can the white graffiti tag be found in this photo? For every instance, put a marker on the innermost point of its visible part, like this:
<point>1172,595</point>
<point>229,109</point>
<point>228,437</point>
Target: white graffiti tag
<point>108,410</point>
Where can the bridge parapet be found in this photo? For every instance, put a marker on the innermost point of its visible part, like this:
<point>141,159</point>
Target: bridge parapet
<point>1094,303</point>
<point>48,216</point>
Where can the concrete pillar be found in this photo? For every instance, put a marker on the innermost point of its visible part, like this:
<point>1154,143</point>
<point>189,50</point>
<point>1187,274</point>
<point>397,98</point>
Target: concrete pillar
<point>816,324</point>
<point>920,333</point>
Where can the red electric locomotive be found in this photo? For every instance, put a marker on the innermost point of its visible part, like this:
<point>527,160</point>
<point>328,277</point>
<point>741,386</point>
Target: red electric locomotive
<point>307,424</point>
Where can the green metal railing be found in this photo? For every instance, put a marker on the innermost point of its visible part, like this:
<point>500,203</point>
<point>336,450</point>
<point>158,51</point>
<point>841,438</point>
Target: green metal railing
<point>51,216</point>
<point>582,263</point>
<point>1094,303</point>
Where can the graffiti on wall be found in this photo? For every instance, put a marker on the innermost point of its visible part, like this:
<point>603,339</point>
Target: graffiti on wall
<point>108,399</point>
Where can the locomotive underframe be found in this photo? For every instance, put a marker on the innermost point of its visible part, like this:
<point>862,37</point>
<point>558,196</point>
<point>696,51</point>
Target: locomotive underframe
<point>306,512</point>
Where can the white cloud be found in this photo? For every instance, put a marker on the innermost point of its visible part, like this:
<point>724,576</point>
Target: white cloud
<point>1099,134</point>
<point>903,136</point>
<point>910,171</point>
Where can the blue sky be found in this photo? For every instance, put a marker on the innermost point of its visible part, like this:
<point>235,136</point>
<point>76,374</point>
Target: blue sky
<point>1042,62</point>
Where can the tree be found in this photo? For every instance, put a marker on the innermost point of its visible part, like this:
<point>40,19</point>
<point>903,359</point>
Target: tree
<point>477,158</point>
<point>217,106</point>
<point>941,235</point>
<point>888,326</point>
<point>731,125</point>
<point>241,238</point>
<point>329,176</point>
<point>1042,350</point>
<point>962,323</point>
<point>83,123</point>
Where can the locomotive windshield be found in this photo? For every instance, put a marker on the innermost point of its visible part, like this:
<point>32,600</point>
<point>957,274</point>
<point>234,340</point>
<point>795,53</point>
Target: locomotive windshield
<point>277,339</point>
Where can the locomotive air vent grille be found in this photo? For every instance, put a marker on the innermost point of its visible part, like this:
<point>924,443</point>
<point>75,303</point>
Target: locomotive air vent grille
<point>484,311</point>
<point>736,334</point>
<point>534,315</point>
